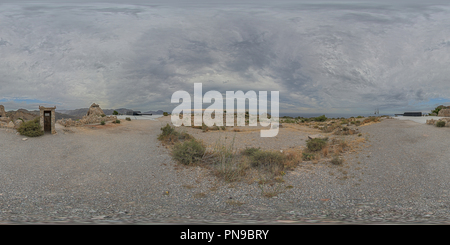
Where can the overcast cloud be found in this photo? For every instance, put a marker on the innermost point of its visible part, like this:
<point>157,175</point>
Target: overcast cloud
<point>328,57</point>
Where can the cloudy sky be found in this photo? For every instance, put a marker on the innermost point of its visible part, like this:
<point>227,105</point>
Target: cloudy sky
<point>335,56</point>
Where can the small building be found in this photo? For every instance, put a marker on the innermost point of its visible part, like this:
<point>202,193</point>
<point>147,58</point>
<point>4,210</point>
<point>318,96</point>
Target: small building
<point>47,119</point>
<point>412,114</point>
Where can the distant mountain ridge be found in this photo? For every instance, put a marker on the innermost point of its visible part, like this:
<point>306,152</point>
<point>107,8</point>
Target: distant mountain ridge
<point>83,111</point>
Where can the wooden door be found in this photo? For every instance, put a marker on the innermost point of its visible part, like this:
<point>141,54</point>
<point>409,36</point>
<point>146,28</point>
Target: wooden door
<point>47,121</point>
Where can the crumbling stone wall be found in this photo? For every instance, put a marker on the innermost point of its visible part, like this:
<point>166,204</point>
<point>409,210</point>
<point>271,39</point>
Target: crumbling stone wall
<point>2,111</point>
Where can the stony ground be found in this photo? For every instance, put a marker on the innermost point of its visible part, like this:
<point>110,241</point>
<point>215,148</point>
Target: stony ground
<point>122,174</point>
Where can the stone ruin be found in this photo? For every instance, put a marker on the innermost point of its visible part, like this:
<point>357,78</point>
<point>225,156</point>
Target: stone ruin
<point>9,122</point>
<point>95,115</point>
<point>2,111</point>
<point>6,122</point>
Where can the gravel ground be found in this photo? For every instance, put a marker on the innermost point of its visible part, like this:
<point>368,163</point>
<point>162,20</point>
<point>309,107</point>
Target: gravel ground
<point>116,174</point>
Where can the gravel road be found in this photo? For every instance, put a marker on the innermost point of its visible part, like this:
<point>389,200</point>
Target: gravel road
<point>117,174</point>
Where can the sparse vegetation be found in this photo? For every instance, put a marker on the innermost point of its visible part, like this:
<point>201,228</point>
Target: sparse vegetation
<point>249,151</point>
<point>440,124</point>
<point>128,119</point>
<point>371,119</point>
<point>31,128</point>
<point>322,118</point>
<point>336,160</point>
<point>316,144</point>
<point>165,114</point>
<point>308,156</point>
<point>170,136</point>
<point>188,152</point>
<point>267,167</point>
<point>116,121</point>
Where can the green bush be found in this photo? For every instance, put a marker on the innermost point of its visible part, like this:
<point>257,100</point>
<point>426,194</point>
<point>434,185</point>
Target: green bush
<point>316,144</point>
<point>165,114</point>
<point>103,115</point>
<point>31,128</point>
<point>128,119</point>
<point>188,152</point>
<point>436,110</point>
<point>115,113</point>
<point>322,118</point>
<point>440,124</point>
<point>116,121</point>
<point>102,122</point>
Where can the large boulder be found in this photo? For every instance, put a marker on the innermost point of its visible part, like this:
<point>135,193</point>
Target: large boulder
<point>10,125</point>
<point>17,123</point>
<point>444,113</point>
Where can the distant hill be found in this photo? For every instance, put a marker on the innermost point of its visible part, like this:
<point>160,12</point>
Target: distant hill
<point>122,111</point>
<point>158,112</point>
<point>29,115</point>
<point>79,113</point>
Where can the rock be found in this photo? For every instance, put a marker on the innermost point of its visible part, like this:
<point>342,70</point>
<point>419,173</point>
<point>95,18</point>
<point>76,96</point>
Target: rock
<point>444,113</point>
<point>17,123</point>
<point>10,125</point>
<point>24,139</point>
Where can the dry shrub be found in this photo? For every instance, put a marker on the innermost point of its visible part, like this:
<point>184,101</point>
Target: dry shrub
<point>325,151</point>
<point>316,144</point>
<point>293,158</point>
<point>188,152</point>
<point>170,136</point>
<point>336,160</point>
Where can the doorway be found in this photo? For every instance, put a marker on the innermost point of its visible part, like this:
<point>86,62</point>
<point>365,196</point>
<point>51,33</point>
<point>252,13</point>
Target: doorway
<point>47,121</point>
